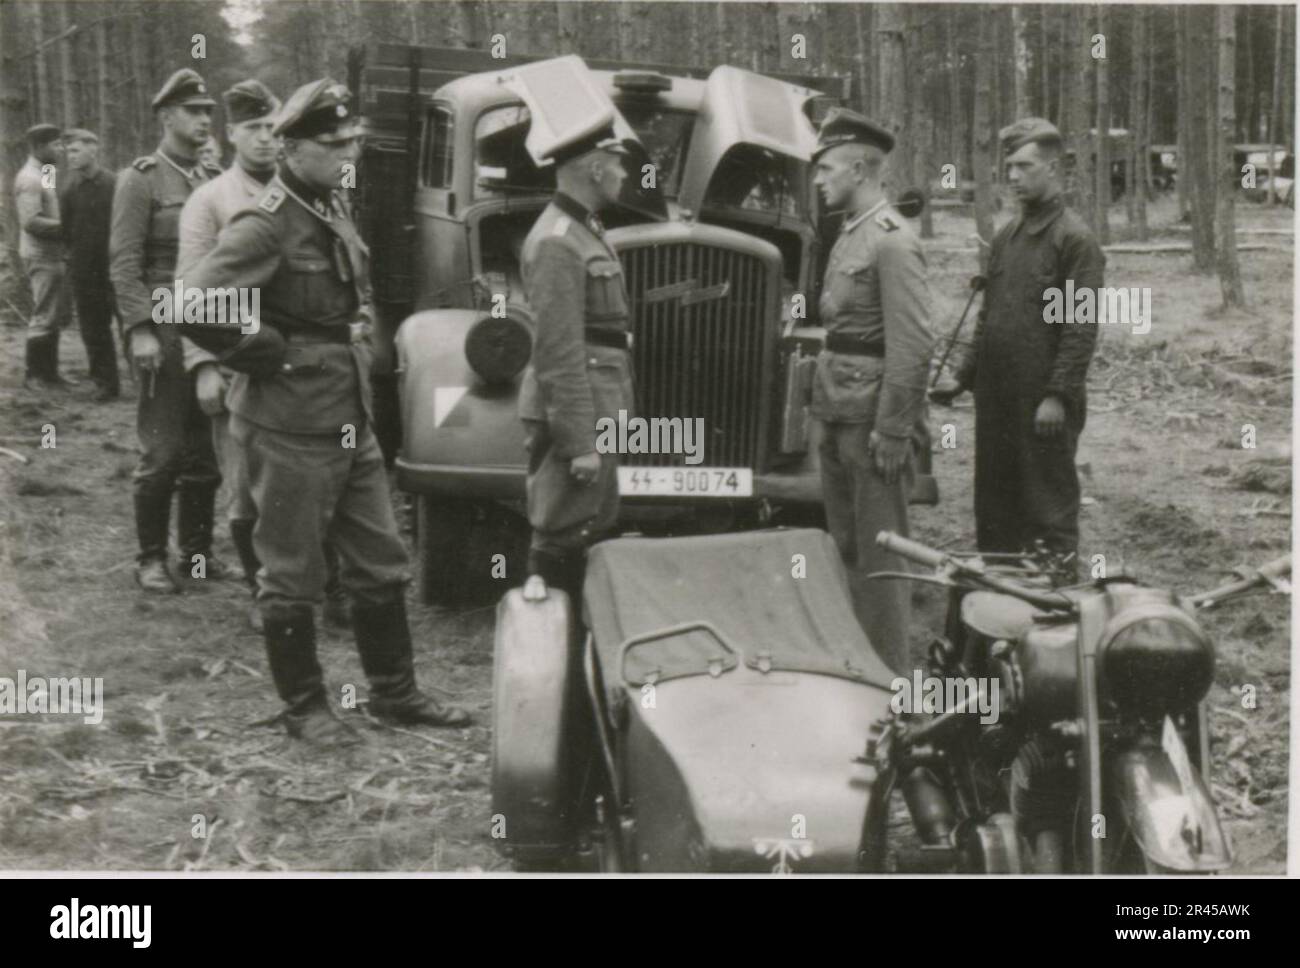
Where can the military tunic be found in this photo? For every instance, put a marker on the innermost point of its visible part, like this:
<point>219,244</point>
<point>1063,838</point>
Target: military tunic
<point>1026,486</point>
<point>575,288</point>
<point>205,213</point>
<point>175,435</point>
<point>300,401</point>
<point>875,303</point>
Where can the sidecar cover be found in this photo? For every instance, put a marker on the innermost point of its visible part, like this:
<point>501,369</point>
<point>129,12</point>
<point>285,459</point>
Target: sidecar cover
<point>741,694</point>
<point>780,597</point>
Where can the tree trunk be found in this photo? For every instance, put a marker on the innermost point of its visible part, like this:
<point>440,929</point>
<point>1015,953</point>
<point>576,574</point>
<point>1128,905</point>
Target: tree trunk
<point>13,122</point>
<point>891,107</point>
<point>1274,103</point>
<point>1225,213</point>
<point>862,20</point>
<point>1102,189</point>
<point>1076,101</point>
<point>983,137</point>
<point>43,109</point>
<point>139,101</point>
<point>1200,155</point>
<point>958,150</point>
<point>1142,124</point>
<point>1137,52</point>
<point>1183,177</point>
<point>1045,88</point>
<point>569,27</point>
<point>1020,37</point>
<point>103,78</point>
<point>919,121</point>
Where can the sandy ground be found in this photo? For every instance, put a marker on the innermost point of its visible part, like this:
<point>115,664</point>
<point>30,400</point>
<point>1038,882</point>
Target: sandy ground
<point>1171,494</point>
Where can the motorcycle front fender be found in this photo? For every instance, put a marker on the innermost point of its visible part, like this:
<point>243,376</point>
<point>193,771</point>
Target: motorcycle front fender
<point>1175,828</point>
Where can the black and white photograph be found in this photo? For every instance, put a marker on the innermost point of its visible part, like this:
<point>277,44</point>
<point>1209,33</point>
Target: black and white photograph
<point>576,439</point>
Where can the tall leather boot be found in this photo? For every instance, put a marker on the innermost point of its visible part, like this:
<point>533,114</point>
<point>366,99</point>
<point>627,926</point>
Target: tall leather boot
<point>290,635</point>
<point>37,360</point>
<point>241,535</point>
<point>384,642</point>
<point>152,516</point>
<point>52,364</point>
<point>195,513</point>
<point>335,611</point>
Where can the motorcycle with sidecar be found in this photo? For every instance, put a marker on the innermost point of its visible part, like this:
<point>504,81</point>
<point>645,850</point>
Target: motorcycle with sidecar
<point>717,707</point>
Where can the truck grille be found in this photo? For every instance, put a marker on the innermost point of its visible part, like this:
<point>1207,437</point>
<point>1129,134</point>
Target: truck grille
<point>701,334</point>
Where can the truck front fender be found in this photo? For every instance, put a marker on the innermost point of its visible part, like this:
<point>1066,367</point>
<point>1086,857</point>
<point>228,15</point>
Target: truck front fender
<point>451,418</point>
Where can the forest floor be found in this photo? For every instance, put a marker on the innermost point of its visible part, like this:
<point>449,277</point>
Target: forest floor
<point>1170,493</point>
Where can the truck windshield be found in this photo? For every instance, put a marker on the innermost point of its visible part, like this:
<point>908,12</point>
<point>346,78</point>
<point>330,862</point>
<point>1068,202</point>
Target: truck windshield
<point>503,165</point>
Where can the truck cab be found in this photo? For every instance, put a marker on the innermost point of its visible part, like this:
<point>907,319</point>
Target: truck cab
<point>722,259</point>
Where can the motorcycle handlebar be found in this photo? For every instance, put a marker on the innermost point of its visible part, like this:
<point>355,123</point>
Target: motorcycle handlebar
<point>909,549</point>
<point>932,558</point>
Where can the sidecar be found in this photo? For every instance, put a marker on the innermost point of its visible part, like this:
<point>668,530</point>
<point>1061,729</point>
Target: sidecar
<point>711,717</point>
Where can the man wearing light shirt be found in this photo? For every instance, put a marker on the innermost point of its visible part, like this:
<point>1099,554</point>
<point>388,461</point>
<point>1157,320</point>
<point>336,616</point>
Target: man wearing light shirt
<point>250,116</point>
<point>40,246</point>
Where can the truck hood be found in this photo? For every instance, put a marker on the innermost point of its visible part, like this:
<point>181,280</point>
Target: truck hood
<point>741,107</point>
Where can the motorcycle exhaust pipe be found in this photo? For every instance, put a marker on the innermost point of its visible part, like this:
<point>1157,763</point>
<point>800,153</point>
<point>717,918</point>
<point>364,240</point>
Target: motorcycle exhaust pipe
<point>932,815</point>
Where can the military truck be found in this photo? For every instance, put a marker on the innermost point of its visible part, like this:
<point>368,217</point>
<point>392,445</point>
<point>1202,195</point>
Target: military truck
<point>722,258</point>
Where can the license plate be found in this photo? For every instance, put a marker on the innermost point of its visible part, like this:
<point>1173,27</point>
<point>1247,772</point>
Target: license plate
<point>686,482</point>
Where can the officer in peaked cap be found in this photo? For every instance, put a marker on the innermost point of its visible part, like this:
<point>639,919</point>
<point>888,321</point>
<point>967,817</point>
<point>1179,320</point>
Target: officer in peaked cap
<point>250,109</point>
<point>842,126</point>
<point>869,389</point>
<point>1029,377</point>
<point>175,435</point>
<point>319,110</point>
<point>300,410</point>
<point>581,367</point>
<point>185,88</point>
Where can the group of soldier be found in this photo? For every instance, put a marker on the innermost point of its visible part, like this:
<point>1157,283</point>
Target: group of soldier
<point>872,380</point>
<point>282,409</point>
<point>280,405</point>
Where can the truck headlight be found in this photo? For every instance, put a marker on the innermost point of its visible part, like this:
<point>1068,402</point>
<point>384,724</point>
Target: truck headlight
<point>1156,659</point>
<point>498,349</point>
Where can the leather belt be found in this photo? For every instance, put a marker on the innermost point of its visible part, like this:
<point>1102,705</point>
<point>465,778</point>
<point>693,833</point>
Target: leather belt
<point>854,345</point>
<point>614,338</point>
<point>334,334</point>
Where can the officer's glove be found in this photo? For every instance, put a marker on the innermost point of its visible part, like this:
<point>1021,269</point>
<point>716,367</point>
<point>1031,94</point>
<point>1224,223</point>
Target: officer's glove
<point>210,389</point>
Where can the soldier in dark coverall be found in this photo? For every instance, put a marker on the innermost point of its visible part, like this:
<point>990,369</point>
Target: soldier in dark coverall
<point>1029,375</point>
<point>300,408</point>
<point>869,390</point>
<point>581,369</point>
<point>86,202</point>
<point>175,435</point>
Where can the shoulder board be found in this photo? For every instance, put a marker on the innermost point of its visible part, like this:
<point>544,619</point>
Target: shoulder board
<point>887,222</point>
<point>272,200</point>
<point>561,225</point>
<point>145,163</point>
